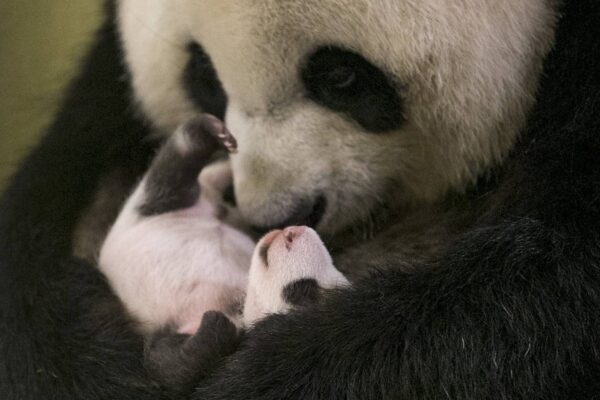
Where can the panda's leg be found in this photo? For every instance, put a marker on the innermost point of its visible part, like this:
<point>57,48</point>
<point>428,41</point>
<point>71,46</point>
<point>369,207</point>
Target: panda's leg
<point>179,361</point>
<point>172,180</point>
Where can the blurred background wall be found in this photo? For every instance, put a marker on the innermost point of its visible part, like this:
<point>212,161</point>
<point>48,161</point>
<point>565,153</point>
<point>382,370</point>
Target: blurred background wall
<point>41,42</point>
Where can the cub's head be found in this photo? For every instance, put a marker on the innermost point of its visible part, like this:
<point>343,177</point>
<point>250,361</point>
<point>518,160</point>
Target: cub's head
<point>290,268</point>
<point>342,106</point>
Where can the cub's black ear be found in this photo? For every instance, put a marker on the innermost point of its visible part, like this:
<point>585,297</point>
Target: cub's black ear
<point>180,361</point>
<point>302,292</point>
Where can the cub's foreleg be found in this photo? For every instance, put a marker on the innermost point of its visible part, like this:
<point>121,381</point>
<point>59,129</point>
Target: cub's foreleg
<point>172,180</point>
<point>162,260</point>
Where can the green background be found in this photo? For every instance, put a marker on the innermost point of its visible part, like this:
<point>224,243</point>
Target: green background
<point>41,42</point>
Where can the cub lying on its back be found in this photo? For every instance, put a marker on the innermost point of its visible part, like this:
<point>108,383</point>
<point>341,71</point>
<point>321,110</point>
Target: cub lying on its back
<point>169,256</point>
<point>183,273</point>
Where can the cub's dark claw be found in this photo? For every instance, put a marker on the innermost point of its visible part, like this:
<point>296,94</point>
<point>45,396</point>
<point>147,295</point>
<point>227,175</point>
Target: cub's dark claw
<point>171,182</point>
<point>228,140</point>
<point>204,124</point>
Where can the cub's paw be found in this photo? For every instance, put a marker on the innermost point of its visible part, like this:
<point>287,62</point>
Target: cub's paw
<point>290,268</point>
<point>172,181</point>
<point>179,361</point>
<point>204,131</point>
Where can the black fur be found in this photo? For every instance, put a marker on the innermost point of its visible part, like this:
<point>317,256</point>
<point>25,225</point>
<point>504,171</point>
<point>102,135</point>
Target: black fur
<point>263,253</point>
<point>63,335</point>
<point>510,311</point>
<point>301,292</point>
<point>179,361</point>
<point>346,82</point>
<point>202,83</point>
<point>229,196</point>
<point>172,180</point>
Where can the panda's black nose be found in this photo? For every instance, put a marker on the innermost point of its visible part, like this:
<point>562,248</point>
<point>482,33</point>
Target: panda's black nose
<point>307,212</point>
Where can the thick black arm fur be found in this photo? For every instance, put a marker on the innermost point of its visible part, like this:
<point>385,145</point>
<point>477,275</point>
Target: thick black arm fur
<point>62,335</point>
<point>510,312</point>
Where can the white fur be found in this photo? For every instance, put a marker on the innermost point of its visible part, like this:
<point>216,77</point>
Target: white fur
<point>305,257</point>
<point>172,267</point>
<point>155,41</point>
<point>468,70</point>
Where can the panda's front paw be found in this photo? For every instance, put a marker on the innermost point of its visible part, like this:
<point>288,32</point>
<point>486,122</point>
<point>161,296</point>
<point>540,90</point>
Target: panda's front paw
<point>290,268</point>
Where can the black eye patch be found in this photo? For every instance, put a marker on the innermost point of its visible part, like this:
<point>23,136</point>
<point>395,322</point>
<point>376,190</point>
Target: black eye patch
<point>202,83</point>
<point>301,292</point>
<point>346,82</point>
<point>263,254</point>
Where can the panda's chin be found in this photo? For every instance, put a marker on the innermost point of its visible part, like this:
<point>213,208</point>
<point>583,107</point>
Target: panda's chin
<point>306,212</point>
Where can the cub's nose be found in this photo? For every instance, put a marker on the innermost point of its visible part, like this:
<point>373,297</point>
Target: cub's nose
<point>292,233</point>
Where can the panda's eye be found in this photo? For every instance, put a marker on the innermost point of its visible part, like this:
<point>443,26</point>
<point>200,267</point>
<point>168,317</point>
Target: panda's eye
<point>341,77</point>
<point>346,82</point>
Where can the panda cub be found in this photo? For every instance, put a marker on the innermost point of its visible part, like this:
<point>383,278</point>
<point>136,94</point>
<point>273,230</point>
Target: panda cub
<point>187,275</point>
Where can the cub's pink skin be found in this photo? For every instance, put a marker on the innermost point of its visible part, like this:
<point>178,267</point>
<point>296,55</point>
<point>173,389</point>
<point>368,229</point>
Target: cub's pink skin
<point>183,269</point>
<point>281,259</point>
<point>173,254</point>
<point>169,268</point>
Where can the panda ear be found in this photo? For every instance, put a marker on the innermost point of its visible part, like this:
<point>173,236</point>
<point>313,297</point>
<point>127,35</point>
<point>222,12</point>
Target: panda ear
<point>301,292</point>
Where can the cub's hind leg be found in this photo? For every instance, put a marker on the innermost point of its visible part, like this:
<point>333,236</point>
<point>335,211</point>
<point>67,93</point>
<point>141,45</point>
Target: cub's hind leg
<point>179,361</point>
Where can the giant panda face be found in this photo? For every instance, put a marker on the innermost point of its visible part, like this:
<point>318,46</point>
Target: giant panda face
<point>341,106</point>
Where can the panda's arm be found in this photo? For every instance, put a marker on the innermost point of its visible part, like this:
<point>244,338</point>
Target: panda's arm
<point>511,311</point>
<point>62,334</point>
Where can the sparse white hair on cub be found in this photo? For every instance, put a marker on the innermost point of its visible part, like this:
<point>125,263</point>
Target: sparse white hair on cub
<point>169,269</point>
<point>170,262</point>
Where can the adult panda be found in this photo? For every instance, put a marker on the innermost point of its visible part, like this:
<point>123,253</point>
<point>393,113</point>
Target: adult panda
<point>349,116</point>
